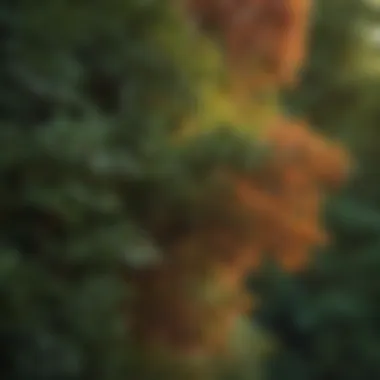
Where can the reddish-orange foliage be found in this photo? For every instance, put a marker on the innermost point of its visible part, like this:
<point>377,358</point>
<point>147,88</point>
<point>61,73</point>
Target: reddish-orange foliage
<point>267,33</point>
<point>289,192</point>
<point>281,205</point>
<point>273,211</point>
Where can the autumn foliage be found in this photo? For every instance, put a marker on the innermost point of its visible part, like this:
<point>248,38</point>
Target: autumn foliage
<point>190,301</point>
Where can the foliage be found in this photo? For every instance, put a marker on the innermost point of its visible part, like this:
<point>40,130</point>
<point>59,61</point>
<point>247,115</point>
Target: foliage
<point>77,147</point>
<point>326,318</point>
<point>134,205</point>
<point>202,273</point>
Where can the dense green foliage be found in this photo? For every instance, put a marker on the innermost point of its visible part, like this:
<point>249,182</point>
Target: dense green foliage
<point>76,159</point>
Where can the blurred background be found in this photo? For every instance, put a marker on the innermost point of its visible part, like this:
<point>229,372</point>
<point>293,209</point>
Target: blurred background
<point>327,318</point>
<point>79,167</point>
